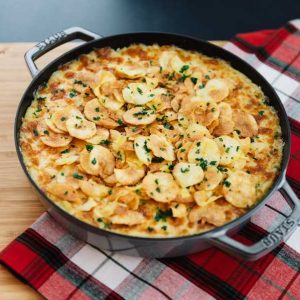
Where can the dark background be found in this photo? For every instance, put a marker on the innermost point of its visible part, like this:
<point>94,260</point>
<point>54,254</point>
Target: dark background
<point>33,20</point>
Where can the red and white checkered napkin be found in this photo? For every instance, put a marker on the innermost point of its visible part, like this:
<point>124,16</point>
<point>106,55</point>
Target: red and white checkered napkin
<point>60,267</point>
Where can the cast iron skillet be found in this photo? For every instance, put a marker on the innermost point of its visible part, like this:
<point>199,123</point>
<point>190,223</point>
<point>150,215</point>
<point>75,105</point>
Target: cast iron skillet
<point>162,247</point>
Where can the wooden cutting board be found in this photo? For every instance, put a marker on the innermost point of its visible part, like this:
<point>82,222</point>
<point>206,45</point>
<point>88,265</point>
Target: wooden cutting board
<point>19,206</point>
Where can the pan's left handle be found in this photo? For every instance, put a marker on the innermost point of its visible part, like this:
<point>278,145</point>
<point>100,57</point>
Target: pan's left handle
<point>54,41</point>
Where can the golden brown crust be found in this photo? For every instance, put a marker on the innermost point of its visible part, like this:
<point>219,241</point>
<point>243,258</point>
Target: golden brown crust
<point>151,140</point>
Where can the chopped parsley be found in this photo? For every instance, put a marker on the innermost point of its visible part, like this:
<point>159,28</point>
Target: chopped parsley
<point>146,147</point>
<point>44,84</point>
<point>97,109</point>
<point>139,90</point>
<point>213,163</point>
<point>201,86</point>
<point>184,68</point>
<point>89,147</point>
<point>79,82</point>
<point>141,113</point>
<point>185,170</point>
<point>222,169</point>
<point>184,77</point>
<point>35,132</point>
<point>105,142</point>
<point>194,80</point>
<point>226,183</point>
<point>168,126</point>
<point>77,176</point>
<point>157,159</point>
<point>105,225</point>
<point>62,119</point>
<point>164,227</point>
<point>96,118</point>
<point>150,229</point>
<point>40,98</point>
<point>171,167</point>
<point>202,163</point>
<point>46,132</point>
<point>261,112</point>
<point>94,161</point>
<point>162,215</point>
<point>65,151</point>
<point>207,77</point>
<point>120,122</point>
<point>72,94</point>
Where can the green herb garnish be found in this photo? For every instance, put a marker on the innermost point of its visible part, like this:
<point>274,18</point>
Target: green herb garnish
<point>72,94</point>
<point>157,159</point>
<point>139,91</point>
<point>65,151</point>
<point>89,147</point>
<point>105,142</point>
<point>77,176</point>
<point>79,82</point>
<point>40,98</point>
<point>194,80</point>
<point>162,215</point>
<point>184,68</point>
<point>226,183</point>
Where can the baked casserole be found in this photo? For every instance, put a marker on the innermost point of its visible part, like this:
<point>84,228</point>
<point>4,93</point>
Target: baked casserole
<point>152,141</point>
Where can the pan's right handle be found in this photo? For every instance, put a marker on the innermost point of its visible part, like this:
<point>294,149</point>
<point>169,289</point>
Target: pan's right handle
<point>54,41</point>
<point>281,233</point>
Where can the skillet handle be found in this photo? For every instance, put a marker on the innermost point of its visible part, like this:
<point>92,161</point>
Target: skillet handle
<point>281,233</point>
<point>54,41</point>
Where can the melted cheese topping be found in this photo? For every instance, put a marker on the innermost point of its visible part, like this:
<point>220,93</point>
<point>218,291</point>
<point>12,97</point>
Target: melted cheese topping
<point>151,141</point>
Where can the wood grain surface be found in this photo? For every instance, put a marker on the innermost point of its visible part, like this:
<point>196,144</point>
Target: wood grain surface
<point>19,206</point>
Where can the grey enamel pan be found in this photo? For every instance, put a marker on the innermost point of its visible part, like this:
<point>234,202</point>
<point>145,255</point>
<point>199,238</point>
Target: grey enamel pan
<point>162,247</point>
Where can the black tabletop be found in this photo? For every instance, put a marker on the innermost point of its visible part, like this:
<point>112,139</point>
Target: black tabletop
<point>33,20</point>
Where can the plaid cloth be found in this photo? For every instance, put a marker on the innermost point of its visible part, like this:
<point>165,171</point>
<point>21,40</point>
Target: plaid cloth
<point>61,267</point>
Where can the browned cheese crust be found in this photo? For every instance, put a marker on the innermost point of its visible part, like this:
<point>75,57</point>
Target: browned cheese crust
<point>151,141</point>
